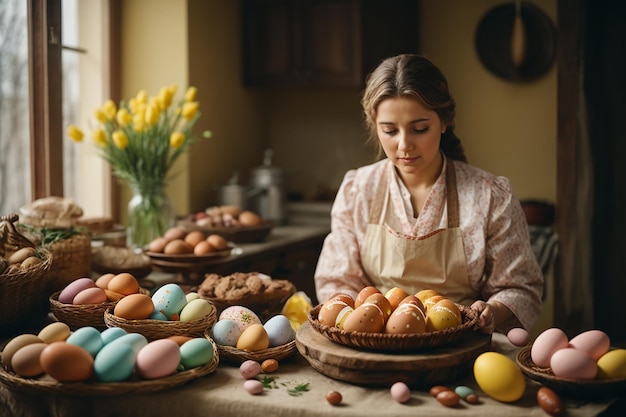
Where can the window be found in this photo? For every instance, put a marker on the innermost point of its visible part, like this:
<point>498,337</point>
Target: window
<point>36,158</point>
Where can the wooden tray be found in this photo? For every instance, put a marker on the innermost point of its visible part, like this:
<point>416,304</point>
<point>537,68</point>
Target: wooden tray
<point>596,388</point>
<point>239,234</point>
<point>360,367</point>
<point>187,259</point>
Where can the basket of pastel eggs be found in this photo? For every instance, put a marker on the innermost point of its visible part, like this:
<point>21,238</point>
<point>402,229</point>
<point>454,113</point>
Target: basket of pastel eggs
<point>170,311</point>
<point>84,300</point>
<point>394,321</point>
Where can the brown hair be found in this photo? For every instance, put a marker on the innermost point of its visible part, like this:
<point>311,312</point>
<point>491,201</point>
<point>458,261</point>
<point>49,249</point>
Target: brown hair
<point>414,76</point>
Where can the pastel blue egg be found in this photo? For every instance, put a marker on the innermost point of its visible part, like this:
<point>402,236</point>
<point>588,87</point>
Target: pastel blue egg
<point>88,338</point>
<point>226,332</point>
<point>279,330</point>
<point>115,362</point>
<point>135,340</point>
<point>196,352</point>
<point>111,334</point>
<point>169,300</point>
<point>157,315</point>
<point>463,391</point>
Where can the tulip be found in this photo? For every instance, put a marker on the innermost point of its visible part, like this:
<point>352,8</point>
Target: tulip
<point>100,116</point>
<point>109,109</point>
<point>75,133</point>
<point>142,96</point>
<point>133,105</point>
<point>152,114</point>
<point>123,117</point>
<point>165,98</point>
<point>191,94</point>
<point>177,139</point>
<point>190,109</point>
<point>99,138</point>
<point>120,139</point>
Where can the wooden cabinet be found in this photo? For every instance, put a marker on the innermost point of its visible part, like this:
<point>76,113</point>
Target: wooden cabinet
<point>322,42</point>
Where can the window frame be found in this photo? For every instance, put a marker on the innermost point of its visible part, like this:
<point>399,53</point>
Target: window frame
<point>45,94</point>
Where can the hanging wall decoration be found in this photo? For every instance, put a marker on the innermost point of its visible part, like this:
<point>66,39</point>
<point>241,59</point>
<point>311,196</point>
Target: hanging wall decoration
<point>516,41</point>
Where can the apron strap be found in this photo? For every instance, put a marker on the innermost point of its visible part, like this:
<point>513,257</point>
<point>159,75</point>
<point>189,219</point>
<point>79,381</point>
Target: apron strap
<point>452,195</point>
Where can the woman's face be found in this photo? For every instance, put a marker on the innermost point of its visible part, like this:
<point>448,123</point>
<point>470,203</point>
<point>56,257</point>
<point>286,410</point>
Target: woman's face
<point>409,134</point>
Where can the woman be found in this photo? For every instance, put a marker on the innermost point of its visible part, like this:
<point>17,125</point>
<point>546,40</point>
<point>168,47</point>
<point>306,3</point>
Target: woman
<point>422,218</point>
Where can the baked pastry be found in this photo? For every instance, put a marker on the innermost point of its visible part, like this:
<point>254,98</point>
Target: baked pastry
<point>254,290</point>
<point>51,212</point>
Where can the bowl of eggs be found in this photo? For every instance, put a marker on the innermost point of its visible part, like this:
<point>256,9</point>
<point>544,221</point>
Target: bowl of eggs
<point>395,321</point>
<point>83,301</point>
<point>232,222</point>
<point>585,365</point>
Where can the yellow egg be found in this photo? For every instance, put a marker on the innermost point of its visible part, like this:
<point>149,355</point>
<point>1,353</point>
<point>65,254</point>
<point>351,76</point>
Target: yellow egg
<point>443,315</point>
<point>195,309</point>
<point>254,338</point>
<point>54,332</point>
<point>612,364</point>
<point>499,377</point>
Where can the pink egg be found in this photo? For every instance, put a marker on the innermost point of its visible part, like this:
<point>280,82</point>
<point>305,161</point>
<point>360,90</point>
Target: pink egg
<point>66,296</point>
<point>243,316</point>
<point>548,342</point>
<point>573,363</point>
<point>594,342</point>
<point>400,392</point>
<point>253,386</point>
<point>249,369</point>
<point>158,359</point>
<point>518,336</point>
<point>93,295</point>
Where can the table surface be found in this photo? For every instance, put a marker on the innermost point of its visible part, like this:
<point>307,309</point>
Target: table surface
<point>222,394</point>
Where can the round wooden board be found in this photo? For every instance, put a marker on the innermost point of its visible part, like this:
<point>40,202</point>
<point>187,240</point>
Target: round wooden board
<point>441,365</point>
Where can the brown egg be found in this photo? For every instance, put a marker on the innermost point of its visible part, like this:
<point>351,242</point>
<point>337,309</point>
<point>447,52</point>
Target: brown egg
<point>124,283</point>
<point>249,218</point>
<point>194,237</point>
<point>178,247</point>
<point>329,311</point>
<point>25,362</point>
<point>134,307</point>
<point>406,319</point>
<point>395,295</point>
<point>234,211</point>
<point>158,245</point>
<point>66,362</point>
<point>180,339</point>
<point>367,318</point>
<point>411,299</point>
<point>549,401</point>
<point>217,241</point>
<point>343,297</point>
<point>363,294</point>
<point>175,233</point>
<point>202,248</point>
<point>382,302</point>
<point>16,344</point>
<point>103,281</point>
<point>113,296</point>
<point>431,301</point>
<point>443,315</point>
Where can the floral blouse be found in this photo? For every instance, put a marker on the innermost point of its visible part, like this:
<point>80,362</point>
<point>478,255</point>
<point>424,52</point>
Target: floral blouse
<point>500,262</point>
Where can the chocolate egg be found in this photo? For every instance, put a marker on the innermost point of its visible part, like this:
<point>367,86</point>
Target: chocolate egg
<point>549,401</point>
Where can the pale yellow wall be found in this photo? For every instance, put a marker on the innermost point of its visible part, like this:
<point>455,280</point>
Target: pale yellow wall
<point>154,54</point>
<point>317,134</point>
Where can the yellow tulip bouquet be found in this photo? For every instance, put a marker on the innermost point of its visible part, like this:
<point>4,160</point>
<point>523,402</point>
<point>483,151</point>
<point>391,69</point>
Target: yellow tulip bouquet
<point>141,140</point>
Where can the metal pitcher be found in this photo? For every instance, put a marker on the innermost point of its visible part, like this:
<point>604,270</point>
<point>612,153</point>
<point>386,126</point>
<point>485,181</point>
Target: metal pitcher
<point>268,185</point>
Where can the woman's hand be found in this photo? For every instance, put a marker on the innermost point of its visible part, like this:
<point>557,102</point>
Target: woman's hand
<point>486,316</point>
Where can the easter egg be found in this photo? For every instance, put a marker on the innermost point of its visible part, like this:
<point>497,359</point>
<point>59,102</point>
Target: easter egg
<point>279,330</point>
<point>499,377</point>
<point>196,352</point>
<point>612,364</point>
<point>226,332</point>
<point>170,299</point>
<point>243,316</point>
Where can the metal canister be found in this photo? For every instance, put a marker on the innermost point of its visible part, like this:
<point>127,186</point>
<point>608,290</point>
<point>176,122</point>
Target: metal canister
<point>269,183</point>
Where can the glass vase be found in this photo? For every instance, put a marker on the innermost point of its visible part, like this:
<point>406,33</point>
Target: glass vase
<point>150,214</point>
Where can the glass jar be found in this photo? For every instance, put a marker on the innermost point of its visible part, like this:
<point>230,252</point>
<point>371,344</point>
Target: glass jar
<point>150,214</point>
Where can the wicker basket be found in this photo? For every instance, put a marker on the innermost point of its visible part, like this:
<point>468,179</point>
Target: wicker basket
<point>133,386</point>
<point>238,356</point>
<point>72,260</point>
<point>22,292</point>
<point>160,329</point>
<point>83,315</point>
<point>396,342</point>
<point>578,388</point>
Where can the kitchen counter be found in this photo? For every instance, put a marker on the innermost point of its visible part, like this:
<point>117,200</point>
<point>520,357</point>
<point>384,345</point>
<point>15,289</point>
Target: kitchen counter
<point>222,394</point>
<point>289,252</point>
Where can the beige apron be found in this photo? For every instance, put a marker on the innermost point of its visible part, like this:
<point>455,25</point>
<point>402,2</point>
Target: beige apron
<point>435,261</point>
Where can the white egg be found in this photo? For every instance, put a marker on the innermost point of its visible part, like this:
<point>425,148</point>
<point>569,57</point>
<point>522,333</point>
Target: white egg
<point>279,330</point>
<point>225,332</point>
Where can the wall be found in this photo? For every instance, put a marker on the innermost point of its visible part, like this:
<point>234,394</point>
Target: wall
<point>318,134</point>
